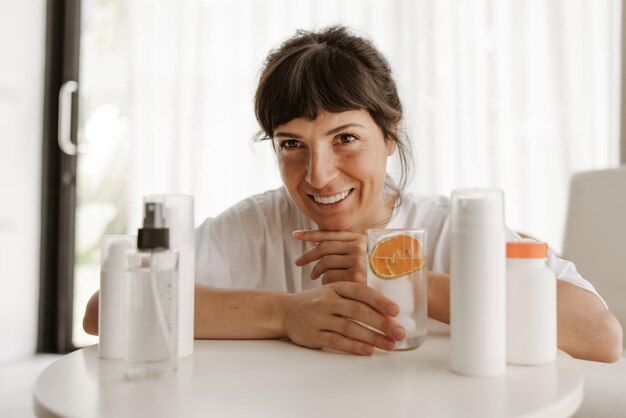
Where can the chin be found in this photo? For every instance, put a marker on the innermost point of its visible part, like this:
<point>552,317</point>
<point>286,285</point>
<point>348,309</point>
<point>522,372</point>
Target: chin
<point>333,224</point>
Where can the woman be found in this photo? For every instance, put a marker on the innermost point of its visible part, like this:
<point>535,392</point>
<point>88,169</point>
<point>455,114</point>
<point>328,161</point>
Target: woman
<point>329,104</point>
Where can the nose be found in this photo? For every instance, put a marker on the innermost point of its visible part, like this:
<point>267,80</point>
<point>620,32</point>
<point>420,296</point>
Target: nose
<point>322,168</point>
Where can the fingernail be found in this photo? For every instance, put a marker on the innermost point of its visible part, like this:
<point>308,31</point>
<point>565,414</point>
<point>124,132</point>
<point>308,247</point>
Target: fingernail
<point>393,310</point>
<point>297,233</point>
<point>398,332</point>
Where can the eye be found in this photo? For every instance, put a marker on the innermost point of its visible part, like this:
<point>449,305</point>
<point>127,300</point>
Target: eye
<point>290,144</point>
<point>346,138</point>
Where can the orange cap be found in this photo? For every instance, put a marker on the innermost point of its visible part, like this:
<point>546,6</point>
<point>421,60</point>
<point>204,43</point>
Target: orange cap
<point>526,250</point>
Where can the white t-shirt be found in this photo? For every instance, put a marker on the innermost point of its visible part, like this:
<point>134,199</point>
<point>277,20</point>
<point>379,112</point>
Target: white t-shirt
<point>250,246</point>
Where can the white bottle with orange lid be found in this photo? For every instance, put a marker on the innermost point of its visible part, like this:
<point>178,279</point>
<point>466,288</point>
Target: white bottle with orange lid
<point>531,304</point>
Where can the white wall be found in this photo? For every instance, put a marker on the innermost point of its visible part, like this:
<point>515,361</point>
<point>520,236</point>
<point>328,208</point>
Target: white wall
<point>22,45</point>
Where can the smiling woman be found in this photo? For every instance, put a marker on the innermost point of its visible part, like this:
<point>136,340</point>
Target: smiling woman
<point>329,103</point>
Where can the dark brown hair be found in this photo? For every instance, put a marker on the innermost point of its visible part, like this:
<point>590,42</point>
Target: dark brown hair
<point>334,71</point>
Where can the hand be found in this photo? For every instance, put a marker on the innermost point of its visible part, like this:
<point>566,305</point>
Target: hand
<point>342,255</point>
<point>325,317</point>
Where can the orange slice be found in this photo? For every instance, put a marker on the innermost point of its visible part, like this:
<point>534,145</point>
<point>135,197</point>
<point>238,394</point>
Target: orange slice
<point>396,256</point>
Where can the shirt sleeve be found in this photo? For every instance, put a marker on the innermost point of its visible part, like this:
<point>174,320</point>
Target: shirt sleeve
<point>212,264</point>
<point>229,248</point>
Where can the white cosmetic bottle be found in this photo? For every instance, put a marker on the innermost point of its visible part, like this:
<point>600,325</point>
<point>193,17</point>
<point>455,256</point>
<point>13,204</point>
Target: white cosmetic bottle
<point>179,217</point>
<point>477,283</point>
<point>531,305</point>
<point>111,306</point>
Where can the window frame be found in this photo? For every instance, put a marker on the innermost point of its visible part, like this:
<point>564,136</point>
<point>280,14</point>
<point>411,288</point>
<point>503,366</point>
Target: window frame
<point>58,192</point>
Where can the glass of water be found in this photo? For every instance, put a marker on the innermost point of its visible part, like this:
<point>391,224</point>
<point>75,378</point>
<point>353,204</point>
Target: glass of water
<point>398,269</point>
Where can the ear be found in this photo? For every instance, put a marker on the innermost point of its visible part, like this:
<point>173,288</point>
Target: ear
<point>390,143</point>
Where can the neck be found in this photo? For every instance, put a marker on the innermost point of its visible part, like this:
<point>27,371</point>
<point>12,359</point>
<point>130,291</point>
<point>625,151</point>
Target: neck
<point>379,216</point>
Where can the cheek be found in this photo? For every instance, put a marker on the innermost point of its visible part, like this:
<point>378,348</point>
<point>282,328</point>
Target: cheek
<point>371,164</point>
<point>290,168</point>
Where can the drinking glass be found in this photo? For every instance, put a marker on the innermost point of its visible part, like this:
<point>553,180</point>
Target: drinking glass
<point>397,267</point>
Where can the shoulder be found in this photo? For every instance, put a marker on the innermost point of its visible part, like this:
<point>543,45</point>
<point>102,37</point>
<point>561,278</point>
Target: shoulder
<point>258,217</point>
<point>261,209</point>
<point>261,205</point>
<point>436,202</point>
<point>421,211</point>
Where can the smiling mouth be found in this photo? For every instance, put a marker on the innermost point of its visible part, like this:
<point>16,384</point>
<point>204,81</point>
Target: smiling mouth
<point>329,200</point>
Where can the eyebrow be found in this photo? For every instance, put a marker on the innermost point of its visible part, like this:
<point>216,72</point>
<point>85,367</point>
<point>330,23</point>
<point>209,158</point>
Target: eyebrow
<point>332,131</point>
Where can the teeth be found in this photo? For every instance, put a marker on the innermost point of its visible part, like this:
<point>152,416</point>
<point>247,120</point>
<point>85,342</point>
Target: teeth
<point>331,199</point>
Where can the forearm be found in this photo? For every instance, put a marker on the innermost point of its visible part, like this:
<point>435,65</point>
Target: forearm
<point>239,314</point>
<point>223,313</point>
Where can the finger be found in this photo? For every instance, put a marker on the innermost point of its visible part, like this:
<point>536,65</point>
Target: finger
<point>319,236</point>
<point>322,249</point>
<point>333,276</point>
<point>330,262</point>
<point>369,316</point>
<point>362,293</point>
<point>341,343</point>
<point>355,331</point>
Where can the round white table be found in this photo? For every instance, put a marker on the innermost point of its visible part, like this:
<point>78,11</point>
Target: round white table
<point>274,378</point>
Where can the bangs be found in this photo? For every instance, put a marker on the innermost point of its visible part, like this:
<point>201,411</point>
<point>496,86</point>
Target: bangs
<point>306,83</point>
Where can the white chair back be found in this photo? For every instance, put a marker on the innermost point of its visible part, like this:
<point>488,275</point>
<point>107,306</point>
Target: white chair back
<point>595,234</point>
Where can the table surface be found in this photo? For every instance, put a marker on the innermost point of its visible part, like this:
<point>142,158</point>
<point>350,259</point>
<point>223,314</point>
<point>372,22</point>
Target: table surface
<point>275,378</point>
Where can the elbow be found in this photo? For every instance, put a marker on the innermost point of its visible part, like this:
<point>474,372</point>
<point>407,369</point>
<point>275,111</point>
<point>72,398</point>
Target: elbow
<point>598,337</point>
<point>610,340</point>
<point>614,340</point>
<point>90,326</point>
<point>90,319</point>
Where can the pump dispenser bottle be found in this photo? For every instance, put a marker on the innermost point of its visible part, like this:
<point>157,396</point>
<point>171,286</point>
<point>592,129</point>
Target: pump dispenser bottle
<point>112,308</point>
<point>179,214</point>
<point>477,282</point>
<point>152,303</point>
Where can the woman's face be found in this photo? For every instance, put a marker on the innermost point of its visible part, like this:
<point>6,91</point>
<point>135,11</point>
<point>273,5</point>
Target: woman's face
<point>334,169</point>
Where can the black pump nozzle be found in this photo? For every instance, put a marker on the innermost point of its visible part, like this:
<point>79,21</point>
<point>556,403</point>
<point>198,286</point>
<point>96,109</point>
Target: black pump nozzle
<point>153,217</point>
<point>154,235</point>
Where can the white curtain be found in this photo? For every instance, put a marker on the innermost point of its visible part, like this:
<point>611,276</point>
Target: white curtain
<point>516,94</point>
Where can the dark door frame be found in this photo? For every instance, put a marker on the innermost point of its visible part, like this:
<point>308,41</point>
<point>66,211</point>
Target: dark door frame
<point>58,197</point>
